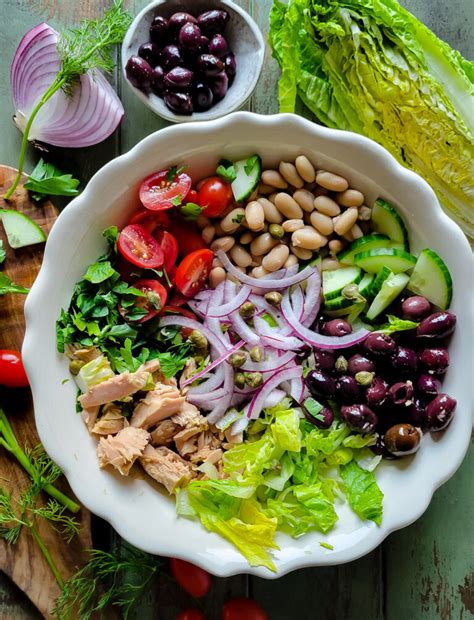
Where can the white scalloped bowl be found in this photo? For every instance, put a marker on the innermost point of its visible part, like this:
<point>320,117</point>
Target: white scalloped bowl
<point>136,509</point>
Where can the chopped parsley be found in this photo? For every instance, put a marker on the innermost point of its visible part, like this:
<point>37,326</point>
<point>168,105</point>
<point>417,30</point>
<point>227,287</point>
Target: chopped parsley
<point>250,164</point>
<point>226,170</point>
<point>191,211</point>
<point>238,218</point>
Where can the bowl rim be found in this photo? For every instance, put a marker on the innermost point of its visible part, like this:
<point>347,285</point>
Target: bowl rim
<point>209,114</point>
<point>98,504</point>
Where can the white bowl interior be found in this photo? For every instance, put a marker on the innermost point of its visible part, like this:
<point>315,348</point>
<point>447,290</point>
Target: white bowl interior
<point>243,35</point>
<point>136,509</point>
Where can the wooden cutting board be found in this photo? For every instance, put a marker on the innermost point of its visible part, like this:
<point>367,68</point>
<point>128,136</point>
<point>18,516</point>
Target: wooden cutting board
<point>24,562</point>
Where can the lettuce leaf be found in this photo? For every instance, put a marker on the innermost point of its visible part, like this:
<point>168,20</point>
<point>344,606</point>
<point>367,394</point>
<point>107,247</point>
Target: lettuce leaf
<point>94,372</point>
<point>363,492</point>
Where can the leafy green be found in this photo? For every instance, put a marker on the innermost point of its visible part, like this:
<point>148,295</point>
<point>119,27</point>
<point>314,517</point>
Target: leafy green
<point>99,272</point>
<point>2,252</point>
<point>238,219</point>
<point>397,325</point>
<point>371,67</point>
<point>94,372</point>
<point>363,493</point>
<point>250,164</point>
<point>7,286</point>
<point>226,170</point>
<point>191,211</point>
<point>173,172</point>
<point>47,180</point>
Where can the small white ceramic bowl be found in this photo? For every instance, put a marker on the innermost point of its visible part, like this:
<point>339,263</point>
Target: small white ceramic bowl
<point>245,40</point>
<point>135,508</point>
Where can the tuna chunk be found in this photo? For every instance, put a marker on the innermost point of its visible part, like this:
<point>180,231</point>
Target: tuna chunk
<point>111,421</point>
<point>164,433</point>
<point>162,402</point>
<point>167,467</point>
<point>189,416</point>
<point>123,449</point>
<point>90,416</point>
<point>207,455</point>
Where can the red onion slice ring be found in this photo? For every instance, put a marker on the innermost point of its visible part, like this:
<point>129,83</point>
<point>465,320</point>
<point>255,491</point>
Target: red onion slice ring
<point>257,402</point>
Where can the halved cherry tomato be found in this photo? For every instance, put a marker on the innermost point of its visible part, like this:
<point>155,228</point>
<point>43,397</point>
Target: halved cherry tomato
<point>127,271</point>
<point>191,614</point>
<point>150,220</point>
<point>157,192</point>
<point>188,237</point>
<point>169,245</point>
<point>177,299</point>
<point>153,303</point>
<point>139,247</point>
<point>178,310</point>
<point>194,580</point>
<point>12,372</point>
<point>193,271</point>
<point>215,195</point>
<point>240,608</point>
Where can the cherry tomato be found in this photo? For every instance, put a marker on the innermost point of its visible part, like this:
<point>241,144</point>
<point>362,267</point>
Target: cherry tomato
<point>215,195</point>
<point>192,196</point>
<point>178,310</point>
<point>157,192</point>
<point>193,271</point>
<point>240,608</point>
<point>169,245</point>
<point>177,299</point>
<point>194,580</point>
<point>139,247</point>
<point>190,614</point>
<point>188,237</point>
<point>127,271</point>
<point>150,220</point>
<point>12,372</point>
<point>153,303</point>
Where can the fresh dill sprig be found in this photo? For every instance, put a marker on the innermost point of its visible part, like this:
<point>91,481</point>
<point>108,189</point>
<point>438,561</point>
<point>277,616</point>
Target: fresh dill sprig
<point>10,523</point>
<point>54,513</point>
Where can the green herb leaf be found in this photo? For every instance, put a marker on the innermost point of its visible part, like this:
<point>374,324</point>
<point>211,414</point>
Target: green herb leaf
<point>2,252</point>
<point>47,180</point>
<point>173,172</point>
<point>111,234</point>
<point>250,164</point>
<point>7,286</point>
<point>99,272</point>
<point>397,325</point>
<point>238,218</point>
<point>191,211</point>
<point>326,546</point>
<point>269,319</point>
<point>226,170</point>
<point>176,201</point>
<point>171,364</point>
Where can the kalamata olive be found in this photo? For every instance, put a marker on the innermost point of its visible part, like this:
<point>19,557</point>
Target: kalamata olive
<point>359,418</point>
<point>179,78</point>
<point>139,72</point>
<point>149,52</point>
<point>320,383</point>
<point>401,392</point>
<point>437,325</point>
<point>157,80</point>
<point>415,413</point>
<point>337,327</point>
<point>219,85</point>
<point>209,65</point>
<point>405,360</point>
<point>358,363</point>
<point>379,344</point>
<point>178,20</point>
<point>415,308</point>
<point>380,448</point>
<point>171,57</point>
<point>439,412</point>
<point>324,359</point>
<point>402,439</point>
<point>190,37</point>
<point>230,65</point>
<point>204,46</point>
<point>376,393</point>
<point>203,97</point>
<point>159,30</point>
<point>324,418</point>
<point>348,389</point>
<point>427,386</point>
<point>212,22</point>
<point>181,103</point>
<point>434,359</point>
<point>218,46</point>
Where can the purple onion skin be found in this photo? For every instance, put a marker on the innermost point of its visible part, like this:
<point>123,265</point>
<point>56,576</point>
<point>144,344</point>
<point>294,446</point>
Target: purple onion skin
<point>324,359</point>
<point>320,383</point>
<point>171,57</point>
<point>159,30</point>
<point>209,65</point>
<point>434,359</point>
<point>178,79</point>
<point>180,103</point>
<point>405,360</point>
<point>139,73</point>
<point>149,52</point>
<point>427,386</point>
<point>157,81</point>
<point>218,46</point>
<point>203,97</point>
<point>230,65</point>
<point>439,412</point>
<point>415,308</point>
<point>219,85</point>
<point>379,344</point>
<point>402,439</point>
<point>190,37</point>
<point>212,22</point>
<point>437,325</point>
<point>376,394</point>
<point>401,392</point>
<point>359,363</point>
<point>337,327</point>
<point>348,389</point>
<point>359,418</point>
<point>327,415</point>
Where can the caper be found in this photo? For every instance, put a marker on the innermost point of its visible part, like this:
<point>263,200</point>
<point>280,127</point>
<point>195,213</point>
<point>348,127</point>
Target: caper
<point>256,354</point>
<point>238,359</point>
<point>364,377</point>
<point>239,379</point>
<point>341,364</point>
<point>254,379</point>
<point>276,231</point>
<point>75,366</point>
<point>274,298</point>
<point>198,340</point>
<point>154,300</point>
<point>247,310</point>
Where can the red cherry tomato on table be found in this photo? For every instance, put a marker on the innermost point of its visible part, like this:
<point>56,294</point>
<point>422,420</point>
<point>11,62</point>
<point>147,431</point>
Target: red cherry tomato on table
<point>139,247</point>
<point>215,195</point>
<point>243,608</point>
<point>194,580</point>
<point>169,245</point>
<point>193,271</point>
<point>150,220</point>
<point>188,237</point>
<point>158,192</point>
<point>12,372</point>
<point>153,303</point>
<point>190,614</point>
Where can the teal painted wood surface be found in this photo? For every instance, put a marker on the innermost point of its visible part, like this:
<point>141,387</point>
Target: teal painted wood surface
<point>424,572</point>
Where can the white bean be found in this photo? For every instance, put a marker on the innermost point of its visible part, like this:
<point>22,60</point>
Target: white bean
<point>305,168</point>
<point>305,199</point>
<point>290,261</point>
<point>233,220</point>
<point>350,198</point>
<point>262,244</point>
<point>254,195</point>
<point>256,261</point>
<point>288,206</point>
<point>223,243</point>
<point>329,264</point>
<point>307,238</point>
<point>240,256</point>
<point>322,223</point>
<point>276,258</point>
<point>301,253</point>
<point>265,189</point>
<point>259,272</point>
<point>327,205</point>
<point>356,232</point>
<point>272,197</point>
<point>331,181</point>
<point>335,246</point>
<point>292,225</point>
<point>246,238</point>
<point>217,276</point>
<point>255,216</point>
<point>290,174</point>
<point>274,178</point>
<point>365,213</point>
<point>202,222</point>
<point>320,191</point>
<point>272,214</point>
<point>219,231</point>
<point>346,221</point>
<point>208,234</point>
<point>217,263</point>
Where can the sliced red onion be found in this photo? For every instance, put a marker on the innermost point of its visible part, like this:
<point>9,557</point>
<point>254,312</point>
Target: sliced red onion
<point>231,306</point>
<point>273,382</point>
<point>214,324</point>
<point>270,365</point>
<point>297,389</point>
<point>206,401</point>
<point>184,321</point>
<point>272,338</point>
<point>196,307</point>
<point>87,117</point>
<point>213,364</point>
<point>274,398</point>
<point>243,330</point>
<point>315,339</point>
<point>239,425</point>
<point>297,301</point>
<point>312,300</point>
<point>210,384</point>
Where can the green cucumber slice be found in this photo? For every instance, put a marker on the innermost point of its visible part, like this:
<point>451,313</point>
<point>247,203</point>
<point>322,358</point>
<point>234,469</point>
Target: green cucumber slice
<point>431,278</point>
<point>380,278</point>
<point>338,303</point>
<point>20,229</point>
<point>248,173</point>
<point>391,289</point>
<point>374,260</point>
<point>365,285</point>
<point>354,309</point>
<point>335,281</point>
<point>386,220</point>
<point>364,244</point>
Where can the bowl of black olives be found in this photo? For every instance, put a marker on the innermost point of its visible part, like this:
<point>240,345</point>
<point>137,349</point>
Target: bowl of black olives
<point>193,59</point>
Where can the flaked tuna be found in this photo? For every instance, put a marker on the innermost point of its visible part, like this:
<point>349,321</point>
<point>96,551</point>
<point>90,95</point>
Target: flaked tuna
<point>111,421</point>
<point>167,467</point>
<point>123,449</point>
<point>162,402</point>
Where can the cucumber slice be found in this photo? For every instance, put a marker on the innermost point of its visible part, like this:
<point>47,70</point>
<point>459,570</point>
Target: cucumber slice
<point>374,260</point>
<point>338,303</point>
<point>431,278</point>
<point>335,281</point>
<point>391,289</point>
<point>386,220</point>
<point>20,229</point>
<point>354,309</point>
<point>364,244</point>
<point>380,278</point>
<point>248,173</point>
<point>365,285</point>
